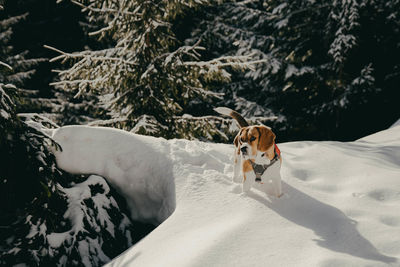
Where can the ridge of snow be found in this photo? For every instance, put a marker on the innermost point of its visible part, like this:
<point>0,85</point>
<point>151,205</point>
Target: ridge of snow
<point>397,123</point>
<point>340,205</point>
<point>136,165</point>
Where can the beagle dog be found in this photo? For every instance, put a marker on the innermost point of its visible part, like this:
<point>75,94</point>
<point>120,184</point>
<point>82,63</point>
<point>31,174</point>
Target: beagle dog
<point>257,158</point>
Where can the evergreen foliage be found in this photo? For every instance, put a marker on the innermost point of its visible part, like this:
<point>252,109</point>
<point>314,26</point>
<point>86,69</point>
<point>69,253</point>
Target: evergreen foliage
<point>147,76</point>
<point>18,69</point>
<point>46,218</point>
<point>331,71</point>
<point>27,25</point>
<point>325,70</point>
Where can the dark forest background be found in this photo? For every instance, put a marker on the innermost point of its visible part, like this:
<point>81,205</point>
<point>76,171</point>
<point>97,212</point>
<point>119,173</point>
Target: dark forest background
<point>319,70</point>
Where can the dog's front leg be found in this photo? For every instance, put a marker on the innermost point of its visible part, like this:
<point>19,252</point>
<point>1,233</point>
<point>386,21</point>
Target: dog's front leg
<point>272,180</point>
<point>248,181</point>
<point>276,185</point>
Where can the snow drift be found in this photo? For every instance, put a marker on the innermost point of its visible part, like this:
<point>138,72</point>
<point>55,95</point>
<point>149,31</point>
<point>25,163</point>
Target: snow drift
<point>138,166</point>
<point>340,205</point>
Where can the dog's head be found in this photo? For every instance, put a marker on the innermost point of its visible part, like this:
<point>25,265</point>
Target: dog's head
<point>256,143</point>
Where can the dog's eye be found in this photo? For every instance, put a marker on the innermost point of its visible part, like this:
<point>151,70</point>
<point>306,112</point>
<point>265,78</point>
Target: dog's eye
<point>242,139</point>
<point>252,139</point>
<point>263,155</point>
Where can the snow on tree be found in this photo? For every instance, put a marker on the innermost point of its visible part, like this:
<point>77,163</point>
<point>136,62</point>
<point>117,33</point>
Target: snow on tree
<point>17,68</point>
<point>25,29</point>
<point>345,15</point>
<point>317,52</point>
<point>48,216</point>
<point>147,77</point>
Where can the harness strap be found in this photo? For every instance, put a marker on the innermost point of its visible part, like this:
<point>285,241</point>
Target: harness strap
<point>260,169</point>
<point>277,151</point>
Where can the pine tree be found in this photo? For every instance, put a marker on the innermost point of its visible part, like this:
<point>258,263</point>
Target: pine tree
<point>39,204</point>
<point>147,78</point>
<point>17,68</point>
<point>317,53</point>
<point>50,218</point>
<point>28,25</point>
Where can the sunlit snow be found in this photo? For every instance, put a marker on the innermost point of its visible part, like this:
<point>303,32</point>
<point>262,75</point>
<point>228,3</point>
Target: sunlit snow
<point>340,205</point>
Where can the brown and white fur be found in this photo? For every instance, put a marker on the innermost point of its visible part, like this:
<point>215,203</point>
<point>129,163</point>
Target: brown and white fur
<point>254,143</point>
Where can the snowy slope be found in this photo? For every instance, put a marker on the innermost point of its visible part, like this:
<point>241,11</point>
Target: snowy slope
<point>341,207</point>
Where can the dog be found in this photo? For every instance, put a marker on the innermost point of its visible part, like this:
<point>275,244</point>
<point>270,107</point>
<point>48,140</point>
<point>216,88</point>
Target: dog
<point>257,159</point>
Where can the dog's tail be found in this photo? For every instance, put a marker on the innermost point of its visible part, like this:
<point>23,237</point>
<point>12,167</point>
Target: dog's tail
<point>229,112</point>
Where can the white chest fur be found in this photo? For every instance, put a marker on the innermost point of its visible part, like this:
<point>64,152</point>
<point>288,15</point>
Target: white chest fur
<point>270,179</point>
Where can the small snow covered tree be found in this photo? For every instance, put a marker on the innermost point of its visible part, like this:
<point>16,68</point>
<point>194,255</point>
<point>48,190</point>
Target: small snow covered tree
<point>146,78</point>
<point>50,218</point>
<point>26,175</point>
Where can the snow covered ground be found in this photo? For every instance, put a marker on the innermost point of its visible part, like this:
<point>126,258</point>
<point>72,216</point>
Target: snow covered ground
<point>341,204</point>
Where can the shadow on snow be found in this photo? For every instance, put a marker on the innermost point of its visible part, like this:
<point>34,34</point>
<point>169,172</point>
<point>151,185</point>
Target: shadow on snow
<point>336,231</point>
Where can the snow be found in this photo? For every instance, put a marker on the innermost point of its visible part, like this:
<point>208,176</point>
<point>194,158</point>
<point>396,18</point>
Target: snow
<point>87,212</point>
<point>340,205</point>
<point>138,166</point>
<point>292,70</point>
<point>4,114</point>
<point>396,123</point>
<point>76,196</point>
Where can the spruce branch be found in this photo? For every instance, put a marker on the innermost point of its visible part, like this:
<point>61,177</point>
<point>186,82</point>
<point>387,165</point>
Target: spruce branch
<point>103,10</point>
<point>86,54</point>
<point>104,29</point>
<point>6,65</point>
<point>240,62</point>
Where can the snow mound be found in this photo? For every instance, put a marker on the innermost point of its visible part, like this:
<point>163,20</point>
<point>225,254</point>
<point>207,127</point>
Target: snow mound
<point>137,166</point>
<point>397,123</point>
<point>340,205</point>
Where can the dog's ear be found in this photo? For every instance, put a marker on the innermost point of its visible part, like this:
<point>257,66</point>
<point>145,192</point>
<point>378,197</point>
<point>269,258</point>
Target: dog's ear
<point>236,140</point>
<point>266,138</point>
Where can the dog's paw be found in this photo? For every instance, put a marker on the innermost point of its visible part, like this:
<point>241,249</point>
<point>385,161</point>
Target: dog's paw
<point>246,187</point>
<point>237,179</point>
<point>236,189</point>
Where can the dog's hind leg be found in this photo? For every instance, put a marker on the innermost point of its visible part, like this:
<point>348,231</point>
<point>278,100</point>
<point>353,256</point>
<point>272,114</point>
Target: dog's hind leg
<point>274,185</point>
<point>272,181</point>
<point>277,186</point>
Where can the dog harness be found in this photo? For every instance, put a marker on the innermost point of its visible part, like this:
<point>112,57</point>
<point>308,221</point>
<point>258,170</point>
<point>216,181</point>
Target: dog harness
<point>259,169</point>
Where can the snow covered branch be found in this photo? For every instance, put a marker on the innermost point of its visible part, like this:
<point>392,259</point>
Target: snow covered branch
<point>142,72</point>
<point>87,55</point>
<point>238,62</point>
<point>6,65</point>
